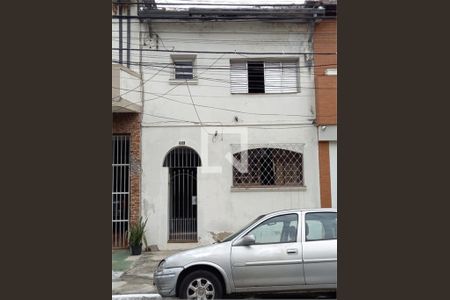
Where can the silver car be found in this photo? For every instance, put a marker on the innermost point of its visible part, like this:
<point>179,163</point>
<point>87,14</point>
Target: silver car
<point>284,251</point>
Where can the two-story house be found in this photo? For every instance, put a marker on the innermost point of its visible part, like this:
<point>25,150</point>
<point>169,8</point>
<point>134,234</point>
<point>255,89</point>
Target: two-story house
<point>228,118</point>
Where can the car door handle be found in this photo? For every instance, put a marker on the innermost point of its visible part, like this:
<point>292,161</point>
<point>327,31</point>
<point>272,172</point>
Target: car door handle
<point>291,251</point>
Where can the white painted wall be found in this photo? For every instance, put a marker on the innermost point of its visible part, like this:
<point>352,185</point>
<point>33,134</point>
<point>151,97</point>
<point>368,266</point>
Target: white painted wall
<point>213,86</point>
<point>220,209</point>
<point>333,173</point>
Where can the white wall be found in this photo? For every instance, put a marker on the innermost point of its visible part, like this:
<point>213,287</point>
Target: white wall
<point>219,208</point>
<point>213,87</point>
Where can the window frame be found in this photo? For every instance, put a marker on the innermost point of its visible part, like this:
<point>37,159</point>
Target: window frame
<point>183,59</point>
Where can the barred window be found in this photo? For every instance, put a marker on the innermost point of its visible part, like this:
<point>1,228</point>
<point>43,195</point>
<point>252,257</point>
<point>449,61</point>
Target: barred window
<point>267,167</point>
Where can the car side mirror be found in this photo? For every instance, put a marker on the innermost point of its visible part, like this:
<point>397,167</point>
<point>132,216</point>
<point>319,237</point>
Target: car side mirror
<point>246,240</point>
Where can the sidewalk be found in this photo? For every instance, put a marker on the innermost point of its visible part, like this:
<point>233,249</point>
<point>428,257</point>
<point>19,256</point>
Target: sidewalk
<point>134,274</point>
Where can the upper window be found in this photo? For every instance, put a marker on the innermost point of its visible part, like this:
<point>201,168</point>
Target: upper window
<point>183,67</point>
<point>280,229</point>
<point>321,226</point>
<point>267,167</point>
<point>264,77</point>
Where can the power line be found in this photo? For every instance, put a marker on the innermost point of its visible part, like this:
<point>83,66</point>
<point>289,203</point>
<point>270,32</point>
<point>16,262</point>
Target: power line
<point>230,110</point>
<point>228,52</point>
<point>140,84</point>
<point>228,67</point>
<point>193,103</point>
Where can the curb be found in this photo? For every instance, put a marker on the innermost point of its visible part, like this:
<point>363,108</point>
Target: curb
<point>137,297</point>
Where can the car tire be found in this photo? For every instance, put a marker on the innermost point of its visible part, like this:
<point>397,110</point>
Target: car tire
<point>203,284</point>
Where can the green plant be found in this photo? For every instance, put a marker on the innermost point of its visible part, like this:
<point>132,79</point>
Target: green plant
<point>136,234</point>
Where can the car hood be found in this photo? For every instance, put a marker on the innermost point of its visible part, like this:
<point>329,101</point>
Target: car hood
<point>214,253</point>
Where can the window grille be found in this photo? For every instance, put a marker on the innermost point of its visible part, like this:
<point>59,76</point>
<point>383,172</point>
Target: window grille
<point>268,166</point>
<point>120,189</point>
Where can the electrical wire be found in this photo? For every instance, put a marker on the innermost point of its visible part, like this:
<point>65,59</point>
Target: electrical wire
<point>226,52</point>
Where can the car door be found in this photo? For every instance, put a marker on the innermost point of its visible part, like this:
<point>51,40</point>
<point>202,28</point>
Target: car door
<point>276,257</point>
<point>320,247</point>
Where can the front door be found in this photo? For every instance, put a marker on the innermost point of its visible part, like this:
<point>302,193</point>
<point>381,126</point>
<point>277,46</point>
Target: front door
<point>320,247</point>
<point>274,260</point>
<point>183,205</point>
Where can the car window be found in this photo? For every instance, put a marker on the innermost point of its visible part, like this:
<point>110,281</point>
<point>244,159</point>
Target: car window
<point>321,226</point>
<point>280,229</point>
<point>229,238</point>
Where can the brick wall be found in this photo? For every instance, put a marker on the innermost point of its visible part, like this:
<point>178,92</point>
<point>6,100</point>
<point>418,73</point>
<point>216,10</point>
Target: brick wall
<point>326,86</point>
<point>129,123</point>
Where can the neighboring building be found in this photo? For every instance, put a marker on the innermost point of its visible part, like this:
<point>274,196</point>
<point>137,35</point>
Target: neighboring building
<point>325,40</point>
<point>126,126</point>
<point>209,98</point>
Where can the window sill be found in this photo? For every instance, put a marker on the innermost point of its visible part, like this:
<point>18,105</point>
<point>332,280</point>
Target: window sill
<point>268,189</point>
<point>183,81</point>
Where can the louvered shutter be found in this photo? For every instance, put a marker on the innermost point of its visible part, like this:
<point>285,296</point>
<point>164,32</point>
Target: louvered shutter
<point>272,77</point>
<point>289,77</point>
<point>239,77</point>
<point>280,77</point>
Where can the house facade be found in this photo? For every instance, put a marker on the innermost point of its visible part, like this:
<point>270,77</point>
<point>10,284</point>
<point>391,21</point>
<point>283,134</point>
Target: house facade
<point>228,120</point>
<point>325,40</point>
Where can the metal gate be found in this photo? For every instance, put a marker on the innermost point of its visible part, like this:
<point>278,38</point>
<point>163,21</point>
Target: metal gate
<point>182,162</point>
<point>120,189</point>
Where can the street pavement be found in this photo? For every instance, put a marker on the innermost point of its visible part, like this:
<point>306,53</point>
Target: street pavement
<point>132,279</point>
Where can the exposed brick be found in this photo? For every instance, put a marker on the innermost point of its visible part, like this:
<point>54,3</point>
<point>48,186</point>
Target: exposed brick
<point>326,86</point>
<point>130,123</point>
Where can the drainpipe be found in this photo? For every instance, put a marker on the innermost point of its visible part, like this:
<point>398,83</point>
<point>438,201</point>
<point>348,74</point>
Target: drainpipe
<point>120,34</point>
<point>128,35</point>
<point>141,72</point>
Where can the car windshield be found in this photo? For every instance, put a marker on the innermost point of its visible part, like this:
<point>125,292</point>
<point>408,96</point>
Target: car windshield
<point>229,238</point>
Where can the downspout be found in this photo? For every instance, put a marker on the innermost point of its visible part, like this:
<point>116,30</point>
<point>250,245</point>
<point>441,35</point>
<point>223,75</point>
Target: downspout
<point>128,35</point>
<point>141,72</point>
<point>120,34</point>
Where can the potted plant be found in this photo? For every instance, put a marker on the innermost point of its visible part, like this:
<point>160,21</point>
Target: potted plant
<point>136,235</point>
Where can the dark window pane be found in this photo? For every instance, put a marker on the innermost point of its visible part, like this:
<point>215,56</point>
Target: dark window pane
<point>183,70</point>
<point>256,77</point>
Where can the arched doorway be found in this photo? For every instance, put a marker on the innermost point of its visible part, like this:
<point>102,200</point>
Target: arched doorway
<point>182,162</point>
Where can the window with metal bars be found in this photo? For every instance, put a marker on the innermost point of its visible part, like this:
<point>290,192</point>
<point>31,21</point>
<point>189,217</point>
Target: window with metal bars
<point>267,167</point>
<point>269,77</point>
<point>183,70</point>
<point>183,67</point>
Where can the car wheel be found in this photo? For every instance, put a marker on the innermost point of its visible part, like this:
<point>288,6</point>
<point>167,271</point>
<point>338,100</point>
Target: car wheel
<point>201,285</point>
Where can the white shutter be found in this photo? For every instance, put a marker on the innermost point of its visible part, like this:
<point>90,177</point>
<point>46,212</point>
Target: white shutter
<point>239,77</point>
<point>289,77</point>
<point>272,77</point>
<point>281,77</point>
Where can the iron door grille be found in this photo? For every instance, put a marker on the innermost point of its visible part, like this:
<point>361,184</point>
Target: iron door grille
<point>182,162</point>
<point>120,189</point>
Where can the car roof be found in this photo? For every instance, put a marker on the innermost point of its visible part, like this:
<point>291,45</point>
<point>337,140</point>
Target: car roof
<point>297,210</point>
